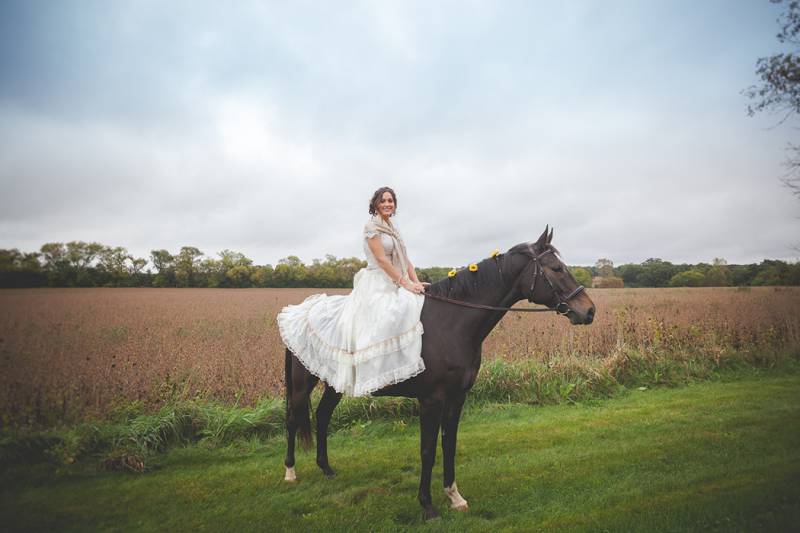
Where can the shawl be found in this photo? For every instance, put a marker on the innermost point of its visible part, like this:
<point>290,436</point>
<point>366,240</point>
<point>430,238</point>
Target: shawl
<point>375,225</point>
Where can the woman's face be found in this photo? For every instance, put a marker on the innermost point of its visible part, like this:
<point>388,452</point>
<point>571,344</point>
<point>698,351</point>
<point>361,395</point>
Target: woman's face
<point>386,205</point>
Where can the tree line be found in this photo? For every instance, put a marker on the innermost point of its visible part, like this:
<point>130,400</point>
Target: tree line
<point>655,272</point>
<point>81,264</point>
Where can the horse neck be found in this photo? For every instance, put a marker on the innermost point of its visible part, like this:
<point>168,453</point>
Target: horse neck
<point>484,325</point>
<point>508,296</point>
<point>500,291</point>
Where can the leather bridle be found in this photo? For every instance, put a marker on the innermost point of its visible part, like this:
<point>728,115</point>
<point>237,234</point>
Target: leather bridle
<point>562,307</point>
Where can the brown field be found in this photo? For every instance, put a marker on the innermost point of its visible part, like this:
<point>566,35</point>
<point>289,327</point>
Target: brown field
<point>65,353</point>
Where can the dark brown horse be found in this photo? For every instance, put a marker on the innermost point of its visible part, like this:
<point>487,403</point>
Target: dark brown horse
<point>451,349</point>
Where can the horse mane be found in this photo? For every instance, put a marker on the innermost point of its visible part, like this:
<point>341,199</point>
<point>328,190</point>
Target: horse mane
<point>465,283</point>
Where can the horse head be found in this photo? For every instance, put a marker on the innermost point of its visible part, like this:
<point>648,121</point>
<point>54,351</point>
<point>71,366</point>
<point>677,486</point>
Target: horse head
<point>546,280</point>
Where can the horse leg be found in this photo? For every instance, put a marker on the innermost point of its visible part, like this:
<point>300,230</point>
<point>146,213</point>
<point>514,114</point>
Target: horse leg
<point>299,384</point>
<point>288,462</point>
<point>450,418</point>
<point>430,417</point>
<point>330,398</point>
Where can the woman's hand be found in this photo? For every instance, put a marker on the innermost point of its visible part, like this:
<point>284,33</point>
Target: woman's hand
<point>416,288</point>
<point>416,281</point>
<point>422,285</point>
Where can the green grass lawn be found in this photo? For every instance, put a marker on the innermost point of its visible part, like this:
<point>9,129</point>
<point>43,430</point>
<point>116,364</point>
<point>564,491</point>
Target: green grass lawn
<point>715,455</point>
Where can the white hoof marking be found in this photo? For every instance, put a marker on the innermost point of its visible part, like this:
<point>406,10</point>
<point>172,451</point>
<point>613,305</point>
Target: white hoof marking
<point>290,475</point>
<point>456,501</point>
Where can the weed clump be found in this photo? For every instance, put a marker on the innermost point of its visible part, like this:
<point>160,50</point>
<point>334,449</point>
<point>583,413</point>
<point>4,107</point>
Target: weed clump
<point>129,439</point>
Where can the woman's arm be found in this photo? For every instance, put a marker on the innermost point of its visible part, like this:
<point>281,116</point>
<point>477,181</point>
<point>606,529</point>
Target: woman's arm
<point>376,246</point>
<point>412,274</point>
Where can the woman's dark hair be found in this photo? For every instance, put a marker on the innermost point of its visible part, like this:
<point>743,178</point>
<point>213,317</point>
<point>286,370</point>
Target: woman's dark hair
<point>376,199</point>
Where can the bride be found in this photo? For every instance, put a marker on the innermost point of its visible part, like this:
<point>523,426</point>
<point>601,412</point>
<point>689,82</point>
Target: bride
<point>372,337</point>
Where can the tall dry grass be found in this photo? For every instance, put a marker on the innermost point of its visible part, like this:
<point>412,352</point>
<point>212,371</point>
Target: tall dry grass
<point>70,353</point>
<point>679,319</point>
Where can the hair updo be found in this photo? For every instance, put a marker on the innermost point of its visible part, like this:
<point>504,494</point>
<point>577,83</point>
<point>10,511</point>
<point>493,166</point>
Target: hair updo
<point>376,199</point>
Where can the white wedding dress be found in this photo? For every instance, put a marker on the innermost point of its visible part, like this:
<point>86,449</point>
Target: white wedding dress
<point>363,341</point>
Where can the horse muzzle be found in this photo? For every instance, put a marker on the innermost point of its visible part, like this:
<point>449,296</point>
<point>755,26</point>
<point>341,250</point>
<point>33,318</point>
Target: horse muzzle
<point>576,318</point>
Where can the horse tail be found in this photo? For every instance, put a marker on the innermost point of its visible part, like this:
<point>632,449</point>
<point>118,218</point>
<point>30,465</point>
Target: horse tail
<point>297,415</point>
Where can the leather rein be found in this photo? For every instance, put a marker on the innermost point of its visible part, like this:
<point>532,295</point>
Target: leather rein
<point>562,307</point>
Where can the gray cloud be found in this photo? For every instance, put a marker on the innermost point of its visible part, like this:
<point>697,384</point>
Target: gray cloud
<point>265,128</point>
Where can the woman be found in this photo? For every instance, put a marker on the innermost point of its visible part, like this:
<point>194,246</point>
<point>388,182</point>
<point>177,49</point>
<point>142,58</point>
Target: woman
<point>372,337</point>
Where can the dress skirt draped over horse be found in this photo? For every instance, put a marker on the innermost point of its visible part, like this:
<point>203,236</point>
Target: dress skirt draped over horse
<point>360,342</point>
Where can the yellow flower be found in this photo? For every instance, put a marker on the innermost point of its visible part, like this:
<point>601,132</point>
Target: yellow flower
<point>452,273</point>
<point>473,267</point>
<point>495,252</point>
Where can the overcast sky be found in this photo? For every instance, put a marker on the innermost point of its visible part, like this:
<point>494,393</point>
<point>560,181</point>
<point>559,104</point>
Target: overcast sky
<point>264,127</point>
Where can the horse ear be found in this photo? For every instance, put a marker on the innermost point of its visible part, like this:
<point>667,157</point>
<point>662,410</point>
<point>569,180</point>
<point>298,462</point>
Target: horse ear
<point>550,237</point>
<point>543,237</point>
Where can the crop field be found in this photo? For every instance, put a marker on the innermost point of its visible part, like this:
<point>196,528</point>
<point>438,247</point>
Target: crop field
<point>69,353</point>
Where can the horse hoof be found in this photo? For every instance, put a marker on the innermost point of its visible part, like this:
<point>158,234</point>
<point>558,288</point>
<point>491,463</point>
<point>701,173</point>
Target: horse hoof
<point>327,470</point>
<point>290,475</point>
<point>430,513</point>
<point>457,501</point>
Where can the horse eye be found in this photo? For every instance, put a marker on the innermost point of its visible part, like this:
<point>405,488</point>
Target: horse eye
<point>558,268</point>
